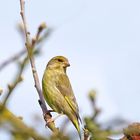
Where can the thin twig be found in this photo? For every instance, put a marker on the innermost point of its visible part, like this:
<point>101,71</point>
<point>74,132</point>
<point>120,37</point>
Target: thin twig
<point>17,80</point>
<point>96,110</point>
<point>18,77</point>
<point>37,37</point>
<point>30,46</point>
<point>47,34</point>
<point>37,40</point>
<point>12,59</point>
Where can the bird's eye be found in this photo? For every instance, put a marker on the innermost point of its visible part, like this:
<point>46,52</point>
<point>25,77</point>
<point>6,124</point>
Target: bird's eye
<point>60,60</point>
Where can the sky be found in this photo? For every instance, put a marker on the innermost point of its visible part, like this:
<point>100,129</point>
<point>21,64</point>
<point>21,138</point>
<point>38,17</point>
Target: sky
<point>100,38</point>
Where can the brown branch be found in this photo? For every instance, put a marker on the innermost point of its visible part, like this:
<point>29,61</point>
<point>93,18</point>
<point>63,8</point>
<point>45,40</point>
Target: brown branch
<point>86,134</point>
<point>30,46</point>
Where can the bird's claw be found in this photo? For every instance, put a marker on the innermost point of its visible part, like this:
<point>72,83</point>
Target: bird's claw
<point>49,121</point>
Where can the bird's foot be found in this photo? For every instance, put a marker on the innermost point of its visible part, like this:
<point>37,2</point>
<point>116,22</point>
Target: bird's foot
<point>49,121</point>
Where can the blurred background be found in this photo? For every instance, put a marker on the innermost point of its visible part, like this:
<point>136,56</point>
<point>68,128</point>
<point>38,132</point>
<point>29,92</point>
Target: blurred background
<point>101,39</point>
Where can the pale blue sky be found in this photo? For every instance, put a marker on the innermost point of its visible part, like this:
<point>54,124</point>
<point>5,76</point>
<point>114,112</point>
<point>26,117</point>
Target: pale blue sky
<point>101,39</point>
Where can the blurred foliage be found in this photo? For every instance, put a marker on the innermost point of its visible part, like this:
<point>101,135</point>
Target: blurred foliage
<point>91,123</point>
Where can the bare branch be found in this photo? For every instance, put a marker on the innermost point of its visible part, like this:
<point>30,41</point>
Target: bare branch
<point>30,46</point>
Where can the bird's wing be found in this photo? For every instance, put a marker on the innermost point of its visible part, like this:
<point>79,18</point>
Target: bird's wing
<point>64,86</point>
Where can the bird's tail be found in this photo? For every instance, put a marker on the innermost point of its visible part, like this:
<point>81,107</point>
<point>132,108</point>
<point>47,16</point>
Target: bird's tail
<point>77,126</point>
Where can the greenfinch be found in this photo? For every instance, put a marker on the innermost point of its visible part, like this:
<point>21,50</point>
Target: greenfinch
<point>58,92</point>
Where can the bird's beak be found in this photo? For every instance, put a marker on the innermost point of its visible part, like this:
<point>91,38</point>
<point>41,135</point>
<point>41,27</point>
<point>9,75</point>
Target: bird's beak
<point>67,64</point>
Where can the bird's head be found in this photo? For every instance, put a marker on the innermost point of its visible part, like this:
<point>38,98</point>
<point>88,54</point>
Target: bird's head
<point>58,62</point>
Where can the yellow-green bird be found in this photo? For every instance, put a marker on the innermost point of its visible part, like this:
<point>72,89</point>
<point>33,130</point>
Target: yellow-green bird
<point>57,90</point>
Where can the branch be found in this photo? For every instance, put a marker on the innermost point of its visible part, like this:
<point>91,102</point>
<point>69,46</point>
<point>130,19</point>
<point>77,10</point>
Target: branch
<point>17,80</point>
<point>12,59</point>
<point>30,46</point>
<point>37,40</point>
<point>86,134</point>
<point>97,111</point>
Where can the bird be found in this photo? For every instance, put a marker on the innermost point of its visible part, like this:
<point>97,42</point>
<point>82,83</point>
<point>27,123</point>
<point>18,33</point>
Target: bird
<point>58,92</point>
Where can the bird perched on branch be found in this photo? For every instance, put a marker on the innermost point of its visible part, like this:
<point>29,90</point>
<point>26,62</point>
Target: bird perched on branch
<point>58,92</point>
